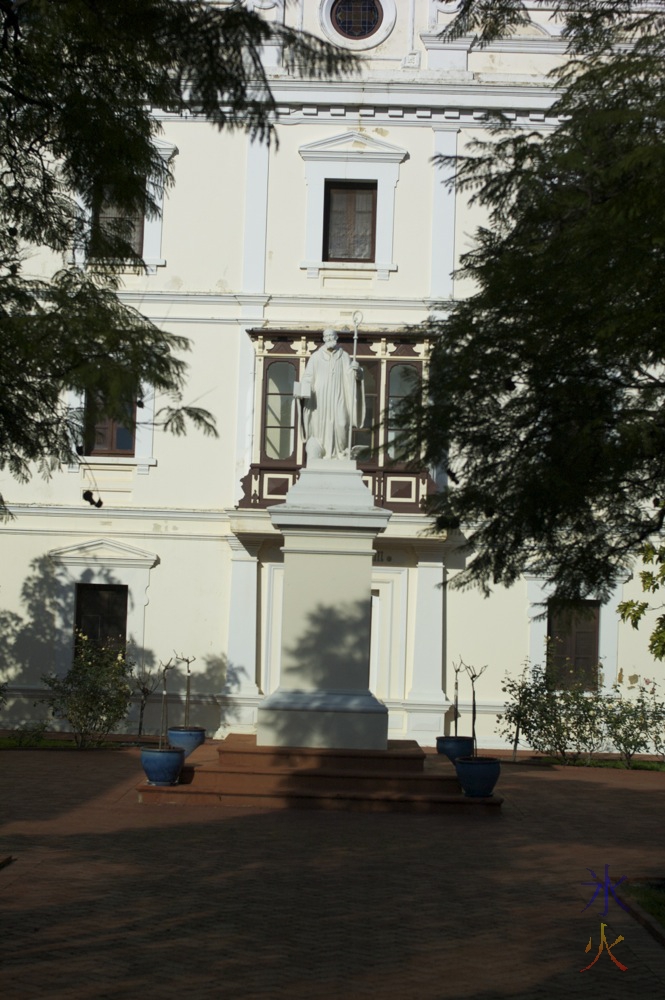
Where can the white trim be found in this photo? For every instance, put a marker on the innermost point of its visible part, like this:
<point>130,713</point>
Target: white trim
<point>351,156</point>
<point>142,459</point>
<point>256,218</point>
<point>443,217</point>
<point>102,561</point>
<point>389,8</point>
<point>152,225</point>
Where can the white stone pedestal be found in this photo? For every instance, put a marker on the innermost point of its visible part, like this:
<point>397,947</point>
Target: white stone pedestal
<point>329,523</point>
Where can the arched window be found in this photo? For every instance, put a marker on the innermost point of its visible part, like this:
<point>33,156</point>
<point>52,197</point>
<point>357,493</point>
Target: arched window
<point>278,419</point>
<point>366,437</point>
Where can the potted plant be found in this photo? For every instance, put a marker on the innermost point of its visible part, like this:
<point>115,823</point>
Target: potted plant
<point>163,764</point>
<point>186,736</point>
<point>455,746</point>
<point>477,775</point>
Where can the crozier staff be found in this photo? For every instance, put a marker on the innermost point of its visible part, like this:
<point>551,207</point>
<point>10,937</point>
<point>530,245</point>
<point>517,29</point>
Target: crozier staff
<point>333,398</point>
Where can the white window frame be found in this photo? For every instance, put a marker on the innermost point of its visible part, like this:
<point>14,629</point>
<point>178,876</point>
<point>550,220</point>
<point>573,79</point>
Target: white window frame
<point>144,435</point>
<point>352,156</point>
<point>153,225</point>
<point>101,561</point>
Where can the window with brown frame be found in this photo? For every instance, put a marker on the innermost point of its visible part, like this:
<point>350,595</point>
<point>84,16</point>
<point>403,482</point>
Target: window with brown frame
<point>101,613</point>
<point>109,224</point>
<point>366,438</point>
<point>401,381</point>
<point>349,225</point>
<point>279,436</point>
<point>573,634</point>
<point>107,436</point>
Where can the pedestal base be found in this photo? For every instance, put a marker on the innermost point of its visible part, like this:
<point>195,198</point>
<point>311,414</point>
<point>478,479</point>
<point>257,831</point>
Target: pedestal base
<point>336,720</point>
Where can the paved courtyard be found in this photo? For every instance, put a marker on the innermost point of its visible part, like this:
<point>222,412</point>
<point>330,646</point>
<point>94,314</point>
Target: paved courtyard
<point>107,898</point>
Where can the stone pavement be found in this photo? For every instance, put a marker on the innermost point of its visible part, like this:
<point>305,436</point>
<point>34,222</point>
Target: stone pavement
<point>107,898</point>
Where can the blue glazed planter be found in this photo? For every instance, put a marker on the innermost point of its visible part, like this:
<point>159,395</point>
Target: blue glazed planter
<point>187,737</point>
<point>454,746</point>
<point>162,767</point>
<point>478,775</point>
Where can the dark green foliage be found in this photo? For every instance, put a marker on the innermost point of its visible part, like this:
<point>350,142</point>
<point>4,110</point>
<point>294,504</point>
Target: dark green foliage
<point>79,80</point>
<point>95,693</point>
<point>546,388</point>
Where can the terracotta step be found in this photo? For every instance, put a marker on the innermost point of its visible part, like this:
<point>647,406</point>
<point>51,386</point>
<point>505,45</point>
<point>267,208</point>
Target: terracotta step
<point>359,802</point>
<point>277,781</point>
<point>237,773</point>
<point>240,752</point>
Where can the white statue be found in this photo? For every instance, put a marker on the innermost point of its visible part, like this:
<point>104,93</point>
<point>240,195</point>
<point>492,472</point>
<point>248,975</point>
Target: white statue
<point>333,398</point>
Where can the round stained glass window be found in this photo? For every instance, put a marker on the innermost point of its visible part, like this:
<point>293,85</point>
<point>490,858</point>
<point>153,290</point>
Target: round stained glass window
<point>356,19</point>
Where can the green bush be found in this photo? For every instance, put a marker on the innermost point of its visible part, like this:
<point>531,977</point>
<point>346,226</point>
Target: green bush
<point>94,695</point>
<point>628,723</point>
<point>573,723</point>
<point>566,724</point>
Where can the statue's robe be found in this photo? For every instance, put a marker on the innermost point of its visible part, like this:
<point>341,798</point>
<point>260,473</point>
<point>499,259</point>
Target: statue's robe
<point>336,401</point>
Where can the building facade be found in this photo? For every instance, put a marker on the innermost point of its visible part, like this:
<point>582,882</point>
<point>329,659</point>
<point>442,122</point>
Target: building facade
<point>346,223</point>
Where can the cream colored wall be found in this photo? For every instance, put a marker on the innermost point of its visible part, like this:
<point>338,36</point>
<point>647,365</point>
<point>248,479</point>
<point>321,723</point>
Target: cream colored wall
<point>287,221</point>
<point>185,609</point>
<point>177,509</point>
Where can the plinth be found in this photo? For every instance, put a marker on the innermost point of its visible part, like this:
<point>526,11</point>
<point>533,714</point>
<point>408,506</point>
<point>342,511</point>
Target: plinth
<point>329,523</point>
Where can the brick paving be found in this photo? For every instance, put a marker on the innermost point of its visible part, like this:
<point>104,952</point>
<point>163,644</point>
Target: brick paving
<point>108,898</point>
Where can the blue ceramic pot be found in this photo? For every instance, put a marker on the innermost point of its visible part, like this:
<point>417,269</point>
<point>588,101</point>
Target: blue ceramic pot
<point>187,737</point>
<point>162,767</point>
<point>478,775</point>
<point>454,746</point>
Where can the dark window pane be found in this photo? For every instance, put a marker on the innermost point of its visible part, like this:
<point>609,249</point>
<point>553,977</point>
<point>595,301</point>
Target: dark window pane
<point>111,223</point>
<point>105,436</point>
<point>101,613</point>
<point>350,221</point>
<point>572,657</point>
<point>356,18</point>
<point>402,379</point>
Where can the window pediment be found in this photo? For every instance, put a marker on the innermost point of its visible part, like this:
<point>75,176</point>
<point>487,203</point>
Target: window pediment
<point>104,552</point>
<point>351,146</point>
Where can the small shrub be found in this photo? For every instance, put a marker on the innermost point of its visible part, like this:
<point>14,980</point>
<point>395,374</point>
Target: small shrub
<point>30,734</point>
<point>628,723</point>
<point>656,720</point>
<point>566,724</point>
<point>94,695</point>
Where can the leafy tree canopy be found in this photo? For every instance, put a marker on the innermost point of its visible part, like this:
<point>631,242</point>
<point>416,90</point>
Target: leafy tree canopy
<point>79,80</point>
<point>546,387</point>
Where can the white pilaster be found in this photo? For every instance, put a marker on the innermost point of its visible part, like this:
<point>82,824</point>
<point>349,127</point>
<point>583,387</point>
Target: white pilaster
<point>428,646</point>
<point>242,631</point>
<point>443,216</point>
<point>256,217</point>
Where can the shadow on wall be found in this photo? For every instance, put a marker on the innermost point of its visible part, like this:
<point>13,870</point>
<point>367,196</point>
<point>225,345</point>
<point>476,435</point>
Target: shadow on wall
<point>37,643</point>
<point>331,653</point>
